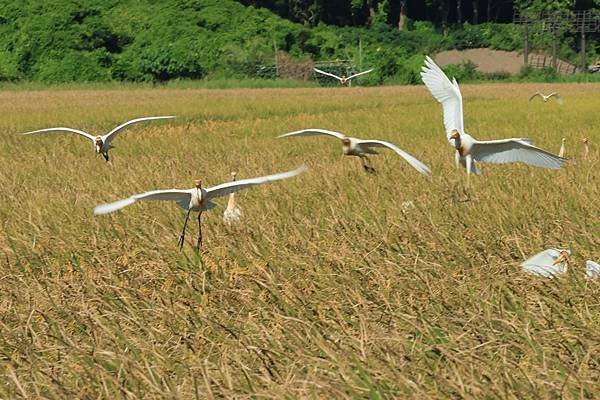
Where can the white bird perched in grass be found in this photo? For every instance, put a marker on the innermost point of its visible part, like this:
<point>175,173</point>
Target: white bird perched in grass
<point>548,263</point>
<point>361,148</point>
<point>232,213</point>
<point>586,148</point>
<point>592,269</point>
<point>102,143</point>
<point>561,152</point>
<point>343,79</point>
<point>469,149</point>
<point>546,98</point>
<point>198,199</point>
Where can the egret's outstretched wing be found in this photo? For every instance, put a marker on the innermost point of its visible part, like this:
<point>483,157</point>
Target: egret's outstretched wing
<point>359,74</point>
<point>328,74</point>
<point>112,134</point>
<point>514,150</point>
<point>178,195</point>
<point>62,129</point>
<point>313,132</point>
<point>445,92</point>
<point>535,95</point>
<point>416,164</point>
<point>592,269</point>
<point>230,187</point>
<point>544,263</point>
<point>558,97</point>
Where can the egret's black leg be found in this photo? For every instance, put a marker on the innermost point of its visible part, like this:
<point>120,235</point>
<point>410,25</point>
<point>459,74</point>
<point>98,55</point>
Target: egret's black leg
<point>105,155</point>
<point>199,244</point>
<point>182,236</point>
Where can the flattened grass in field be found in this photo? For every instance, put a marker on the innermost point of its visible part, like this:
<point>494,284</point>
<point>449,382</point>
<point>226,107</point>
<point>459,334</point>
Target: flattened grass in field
<point>331,288</point>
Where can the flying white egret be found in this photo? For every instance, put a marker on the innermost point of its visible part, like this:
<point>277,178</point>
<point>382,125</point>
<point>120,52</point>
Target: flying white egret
<point>469,149</point>
<point>102,143</point>
<point>361,148</point>
<point>546,98</point>
<point>561,152</point>
<point>232,213</point>
<point>197,199</point>
<point>548,263</point>
<point>343,79</point>
<point>592,269</point>
<point>586,148</point>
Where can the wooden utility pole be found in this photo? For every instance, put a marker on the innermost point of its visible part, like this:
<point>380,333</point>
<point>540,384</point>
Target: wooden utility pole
<point>526,44</point>
<point>554,47</point>
<point>583,60</point>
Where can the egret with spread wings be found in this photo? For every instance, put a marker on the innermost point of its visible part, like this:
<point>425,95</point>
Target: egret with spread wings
<point>198,199</point>
<point>362,148</point>
<point>343,79</point>
<point>469,149</point>
<point>546,98</point>
<point>102,143</point>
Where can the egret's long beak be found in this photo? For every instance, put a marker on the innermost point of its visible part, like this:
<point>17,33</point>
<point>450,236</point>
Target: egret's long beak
<point>564,257</point>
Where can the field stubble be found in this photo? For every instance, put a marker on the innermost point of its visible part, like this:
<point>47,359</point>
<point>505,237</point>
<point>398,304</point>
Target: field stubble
<point>331,288</point>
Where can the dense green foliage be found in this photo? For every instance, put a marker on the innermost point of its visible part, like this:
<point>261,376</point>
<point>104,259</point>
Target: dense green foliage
<point>149,41</point>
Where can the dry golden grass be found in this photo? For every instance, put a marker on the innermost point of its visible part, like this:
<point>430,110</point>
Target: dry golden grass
<point>330,289</point>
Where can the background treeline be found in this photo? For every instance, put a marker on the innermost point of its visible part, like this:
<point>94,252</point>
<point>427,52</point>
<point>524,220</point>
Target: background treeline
<point>149,40</point>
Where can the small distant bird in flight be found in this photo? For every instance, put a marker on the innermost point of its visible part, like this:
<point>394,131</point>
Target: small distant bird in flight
<point>469,149</point>
<point>546,98</point>
<point>343,79</point>
<point>197,199</point>
<point>102,143</point>
<point>549,263</point>
<point>592,269</point>
<point>232,213</point>
<point>561,152</point>
<point>362,148</point>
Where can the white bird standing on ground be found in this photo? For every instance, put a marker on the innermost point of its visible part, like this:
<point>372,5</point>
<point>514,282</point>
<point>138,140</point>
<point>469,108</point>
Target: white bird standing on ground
<point>361,148</point>
<point>561,152</point>
<point>198,199</point>
<point>343,79</point>
<point>469,149</point>
<point>232,213</point>
<point>546,98</point>
<point>586,148</point>
<point>548,263</point>
<point>102,143</point>
<point>592,269</point>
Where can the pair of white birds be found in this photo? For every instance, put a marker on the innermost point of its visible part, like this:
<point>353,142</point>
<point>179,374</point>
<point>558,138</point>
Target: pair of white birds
<point>197,199</point>
<point>552,263</point>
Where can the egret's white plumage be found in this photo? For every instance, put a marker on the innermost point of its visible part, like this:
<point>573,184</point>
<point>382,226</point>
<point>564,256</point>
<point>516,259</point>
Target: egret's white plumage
<point>102,143</point>
<point>232,213</point>
<point>361,148</point>
<point>197,199</point>
<point>343,80</point>
<point>586,148</point>
<point>561,152</point>
<point>546,98</point>
<point>548,263</point>
<point>469,149</point>
<point>592,269</point>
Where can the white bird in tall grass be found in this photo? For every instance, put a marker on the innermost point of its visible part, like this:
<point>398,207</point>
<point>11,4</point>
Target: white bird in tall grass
<point>343,79</point>
<point>198,199</point>
<point>561,152</point>
<point>232,213</point>
<point>361,148</point>
<point>586,148</point>
<point>548,263</point>
<point>592,269</point>
<point>469,149</point>
<point>546,98</point>
<point>102,143</point>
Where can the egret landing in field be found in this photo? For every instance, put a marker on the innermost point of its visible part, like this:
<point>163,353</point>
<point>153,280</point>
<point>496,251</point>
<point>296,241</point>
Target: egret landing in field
<point>198,199</point>
<point>548,263</point>
<point>469,149</point>
<point>342,79</point>
<point>592,269</point>
<point>362,148</point>
<point>232,213</point>
<point>561,152</point>
<point>102,143</point>
<point>546,98</point>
